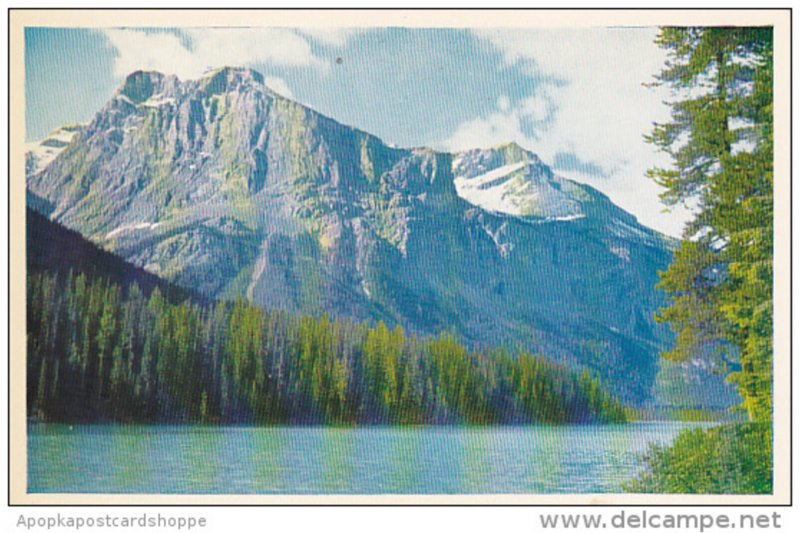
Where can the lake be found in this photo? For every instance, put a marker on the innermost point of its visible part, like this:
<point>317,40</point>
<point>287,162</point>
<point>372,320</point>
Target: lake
<point>324,460</point>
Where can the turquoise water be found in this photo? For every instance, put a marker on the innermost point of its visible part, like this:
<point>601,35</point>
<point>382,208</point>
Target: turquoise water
<point>323,460</point>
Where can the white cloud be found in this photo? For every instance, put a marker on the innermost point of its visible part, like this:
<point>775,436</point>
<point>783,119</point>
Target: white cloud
<point>600,110</point>
<point>278,85</point>
<point>502,126</point>
<point>246,46</point>
<point>202,49</point>
<point>336,37</point>
<point>503,103</point>
<point>137,50</point>
<point>537,108</point>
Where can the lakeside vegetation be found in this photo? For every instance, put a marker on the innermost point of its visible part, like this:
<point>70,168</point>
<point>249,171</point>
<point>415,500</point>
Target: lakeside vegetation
<point>730,459</point>
<point>686,415</point>
<point>100,352</point>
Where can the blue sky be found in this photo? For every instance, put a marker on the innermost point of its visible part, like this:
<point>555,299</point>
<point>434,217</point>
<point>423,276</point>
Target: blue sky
<point>574,96</point>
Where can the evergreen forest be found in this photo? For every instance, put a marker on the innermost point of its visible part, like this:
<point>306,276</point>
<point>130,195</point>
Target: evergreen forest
<point>101,352</point>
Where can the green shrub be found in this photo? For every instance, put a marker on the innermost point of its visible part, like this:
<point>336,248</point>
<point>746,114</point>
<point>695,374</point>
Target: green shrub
<point>730,459</point>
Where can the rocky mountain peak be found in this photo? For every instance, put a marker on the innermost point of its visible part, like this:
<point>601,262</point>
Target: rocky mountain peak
<point>477,160</point>
<point>510,180</point>
<point>227,79</point>
<point>141,85</point>
<point>39,154</point>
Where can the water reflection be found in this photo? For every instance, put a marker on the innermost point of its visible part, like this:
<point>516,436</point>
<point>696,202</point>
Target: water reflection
<point>321,460</point>
<point>132,452</point>
<point>51,465</point>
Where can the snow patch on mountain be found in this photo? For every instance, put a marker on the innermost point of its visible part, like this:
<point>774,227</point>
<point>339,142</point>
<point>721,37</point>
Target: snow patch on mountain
<point>258,271</point>
<point>621,252</point>
<point>40,154</point>
<point>158,101</point>
<point>511,181</point>
<point>493,190</point>
<point>566,218</point>
<point>132,227</point>
<point>124,98</point>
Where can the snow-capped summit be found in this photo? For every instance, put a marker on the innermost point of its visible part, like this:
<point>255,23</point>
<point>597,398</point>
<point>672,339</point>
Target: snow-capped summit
<point>513,181</point>
<point>39,154</point>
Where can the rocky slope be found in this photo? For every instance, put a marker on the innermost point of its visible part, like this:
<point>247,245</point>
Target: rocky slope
<point>223,186</point>
<point>53,249</point>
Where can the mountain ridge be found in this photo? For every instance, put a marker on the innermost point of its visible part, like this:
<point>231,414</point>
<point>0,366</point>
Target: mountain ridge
<point>54,249</point>
<point>236,191</point>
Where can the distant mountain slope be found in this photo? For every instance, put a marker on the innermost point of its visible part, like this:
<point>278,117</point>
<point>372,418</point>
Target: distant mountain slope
<point>54,249</point>
<point>221,185</point>
<point>39,154</point>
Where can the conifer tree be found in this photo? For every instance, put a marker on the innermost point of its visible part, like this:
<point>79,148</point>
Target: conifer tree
<point>720,142</point>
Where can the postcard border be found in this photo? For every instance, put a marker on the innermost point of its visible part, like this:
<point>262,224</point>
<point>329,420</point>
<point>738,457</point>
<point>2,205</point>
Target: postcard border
<point>24,499</point>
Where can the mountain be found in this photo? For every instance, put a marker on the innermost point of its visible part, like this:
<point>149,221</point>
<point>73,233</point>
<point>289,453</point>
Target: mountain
<point>56,250</point>
<point>39,154</point>
<point>223,186</point>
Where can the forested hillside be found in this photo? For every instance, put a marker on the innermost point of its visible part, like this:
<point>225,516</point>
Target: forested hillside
<point>101,352</point>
